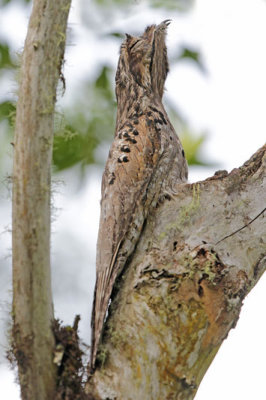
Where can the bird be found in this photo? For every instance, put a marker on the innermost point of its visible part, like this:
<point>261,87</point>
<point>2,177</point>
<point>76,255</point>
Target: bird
<point>145,163</point>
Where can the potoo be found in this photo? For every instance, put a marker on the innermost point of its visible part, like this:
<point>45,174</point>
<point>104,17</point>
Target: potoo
<point>145,162</point>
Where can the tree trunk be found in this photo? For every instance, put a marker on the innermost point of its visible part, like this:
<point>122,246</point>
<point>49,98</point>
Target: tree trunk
<point>200,254</point>
<point>33,339</point>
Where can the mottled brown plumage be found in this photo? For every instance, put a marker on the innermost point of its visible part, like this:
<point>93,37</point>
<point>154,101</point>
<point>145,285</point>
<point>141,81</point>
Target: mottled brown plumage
<point>145,162</point>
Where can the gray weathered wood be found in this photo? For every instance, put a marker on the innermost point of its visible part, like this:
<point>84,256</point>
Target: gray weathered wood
<point>199,256</point>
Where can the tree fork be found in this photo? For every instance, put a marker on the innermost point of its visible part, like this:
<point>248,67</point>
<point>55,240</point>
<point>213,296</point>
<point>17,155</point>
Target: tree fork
<point>200,254</point>
<point>33,339</point>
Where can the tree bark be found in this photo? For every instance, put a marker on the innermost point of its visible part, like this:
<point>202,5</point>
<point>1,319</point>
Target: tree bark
<point>199,255</point>
<point>33,339</point>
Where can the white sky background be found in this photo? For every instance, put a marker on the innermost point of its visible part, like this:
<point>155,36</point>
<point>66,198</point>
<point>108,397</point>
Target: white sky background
<point>228,103</point>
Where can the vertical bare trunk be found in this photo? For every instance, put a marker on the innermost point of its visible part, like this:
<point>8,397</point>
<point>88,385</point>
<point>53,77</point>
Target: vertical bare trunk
<point>33,340</point>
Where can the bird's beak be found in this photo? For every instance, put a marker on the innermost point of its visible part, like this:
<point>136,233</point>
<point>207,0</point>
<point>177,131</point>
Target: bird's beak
<point>164,24</point>
<point>167,22</point>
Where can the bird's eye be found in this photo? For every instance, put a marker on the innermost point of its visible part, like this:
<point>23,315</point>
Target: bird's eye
<point>131,47</point>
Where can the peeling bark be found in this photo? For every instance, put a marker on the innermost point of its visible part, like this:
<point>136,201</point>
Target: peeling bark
<point>33,339</point>
<point>198,257</point>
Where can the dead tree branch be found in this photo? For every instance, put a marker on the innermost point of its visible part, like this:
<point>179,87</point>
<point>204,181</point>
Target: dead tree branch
<point>200,254</point>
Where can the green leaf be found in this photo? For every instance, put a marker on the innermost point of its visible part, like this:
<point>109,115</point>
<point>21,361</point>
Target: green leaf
<point>72,148</point>
<point>180,5</point>
<point>103,81</point>
<point>192,54</point>
<point>88,124</point>
<point>117,35</point>
<point>5,59</point>
<point>192,142</point>
<point>7,111</point>
<point>5,2</point>
<point>192,145</point>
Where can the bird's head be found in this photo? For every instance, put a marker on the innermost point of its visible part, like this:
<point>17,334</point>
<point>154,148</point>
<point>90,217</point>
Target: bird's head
<point>143,59</point>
